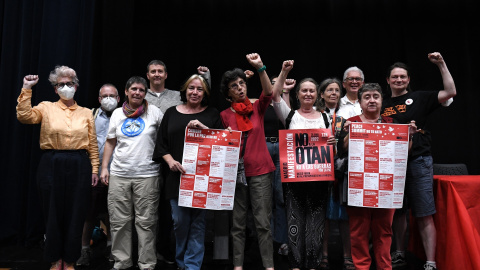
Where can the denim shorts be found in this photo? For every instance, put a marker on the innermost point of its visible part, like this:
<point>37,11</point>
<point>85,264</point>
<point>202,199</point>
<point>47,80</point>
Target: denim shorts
<point>419,186</point>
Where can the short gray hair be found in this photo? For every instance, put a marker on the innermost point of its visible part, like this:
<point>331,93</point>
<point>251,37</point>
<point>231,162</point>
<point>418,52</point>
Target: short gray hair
<point>345,74</point>
<point>62,71</point>
<point>107,84</point>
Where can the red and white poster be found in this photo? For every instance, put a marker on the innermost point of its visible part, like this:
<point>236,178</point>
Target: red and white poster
<point>377,164</point>
<point>210,158</point>
<point>305,155</point>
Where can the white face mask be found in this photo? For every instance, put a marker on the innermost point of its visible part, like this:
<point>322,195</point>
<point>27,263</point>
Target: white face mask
<point>109,104</point>
<point>66,92</point>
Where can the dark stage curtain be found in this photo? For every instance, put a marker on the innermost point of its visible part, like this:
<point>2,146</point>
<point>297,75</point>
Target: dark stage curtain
<point>109,41</point>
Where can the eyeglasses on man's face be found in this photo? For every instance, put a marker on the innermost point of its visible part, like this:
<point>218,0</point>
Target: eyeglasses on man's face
<point>108,96</point>
<point>351,79</point>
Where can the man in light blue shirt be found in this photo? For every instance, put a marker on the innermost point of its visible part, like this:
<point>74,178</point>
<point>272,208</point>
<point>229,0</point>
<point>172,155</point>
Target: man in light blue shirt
<point>108,98</point>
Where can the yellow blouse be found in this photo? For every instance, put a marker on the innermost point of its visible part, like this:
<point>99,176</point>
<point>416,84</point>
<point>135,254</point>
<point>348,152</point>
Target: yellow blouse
<point>63,128</point>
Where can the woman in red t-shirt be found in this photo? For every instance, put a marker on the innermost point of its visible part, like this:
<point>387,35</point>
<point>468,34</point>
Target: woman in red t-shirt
<point>248,118</point>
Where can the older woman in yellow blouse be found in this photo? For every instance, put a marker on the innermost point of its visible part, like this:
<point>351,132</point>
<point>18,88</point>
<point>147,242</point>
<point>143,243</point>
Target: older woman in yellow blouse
<point>68,166</point>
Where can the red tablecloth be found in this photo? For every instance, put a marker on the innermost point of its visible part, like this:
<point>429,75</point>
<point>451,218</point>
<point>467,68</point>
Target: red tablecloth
<point>457,199</point>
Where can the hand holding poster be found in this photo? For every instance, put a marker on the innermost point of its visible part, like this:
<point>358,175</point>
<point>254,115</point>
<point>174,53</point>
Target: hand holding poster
<point>377,164</point>
<point>305,155</point>
<point>210,158</point>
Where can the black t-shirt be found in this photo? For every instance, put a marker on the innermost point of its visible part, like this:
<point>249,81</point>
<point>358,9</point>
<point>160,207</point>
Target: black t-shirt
<point>271,123</point>
<point>171,138</point>
<point>414,106</point>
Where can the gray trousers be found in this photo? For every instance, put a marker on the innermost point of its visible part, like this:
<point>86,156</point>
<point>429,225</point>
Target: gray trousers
<point>128,199</point>
<point>259,194</point>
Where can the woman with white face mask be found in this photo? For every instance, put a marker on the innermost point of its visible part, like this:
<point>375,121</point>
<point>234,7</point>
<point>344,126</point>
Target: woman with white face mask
<point>68,166</point>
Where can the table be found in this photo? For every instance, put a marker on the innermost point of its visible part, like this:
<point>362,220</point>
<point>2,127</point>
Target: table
<point>457,199</point>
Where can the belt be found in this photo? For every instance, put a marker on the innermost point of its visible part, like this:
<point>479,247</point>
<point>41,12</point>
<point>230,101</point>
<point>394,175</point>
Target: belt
<point>271,139</point>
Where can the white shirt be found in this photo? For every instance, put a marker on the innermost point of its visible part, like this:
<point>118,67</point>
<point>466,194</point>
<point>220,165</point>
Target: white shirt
<point>298,121</point>
<point>136,139</point>
<point>348,109</point>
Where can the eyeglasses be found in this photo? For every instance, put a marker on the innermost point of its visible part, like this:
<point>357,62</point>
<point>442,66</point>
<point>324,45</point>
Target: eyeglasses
<point>110,96</point>
<point>61,85</point>
<point>235,86</point>
<point>351,79</point>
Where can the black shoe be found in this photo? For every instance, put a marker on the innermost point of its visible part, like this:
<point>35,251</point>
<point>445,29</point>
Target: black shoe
<point>85,257</point>
<point>165,259</point>
<point>398,260</point>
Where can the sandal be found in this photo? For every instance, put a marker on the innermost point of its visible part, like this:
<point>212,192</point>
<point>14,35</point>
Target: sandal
<point>348,263</point>
<point>324,265</point>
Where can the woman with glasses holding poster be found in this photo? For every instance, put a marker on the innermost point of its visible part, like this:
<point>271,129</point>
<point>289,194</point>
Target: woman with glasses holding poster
<point>189,223</point>
<point>305,202</point>
<point>248,118</point>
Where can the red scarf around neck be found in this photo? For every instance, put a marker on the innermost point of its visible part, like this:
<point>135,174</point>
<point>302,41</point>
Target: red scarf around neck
<point>242,111</point>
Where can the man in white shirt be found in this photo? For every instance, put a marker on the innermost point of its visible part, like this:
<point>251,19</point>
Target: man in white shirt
<point>353,80</point>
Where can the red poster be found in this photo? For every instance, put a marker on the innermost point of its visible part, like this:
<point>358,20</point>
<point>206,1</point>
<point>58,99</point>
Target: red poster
<point>377,164</point>
<point>210,159</point>
<point>305,155</point>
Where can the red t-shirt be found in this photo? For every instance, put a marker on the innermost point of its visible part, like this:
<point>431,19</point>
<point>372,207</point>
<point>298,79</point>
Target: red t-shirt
<point>257,160</point>
<point>385,119</point>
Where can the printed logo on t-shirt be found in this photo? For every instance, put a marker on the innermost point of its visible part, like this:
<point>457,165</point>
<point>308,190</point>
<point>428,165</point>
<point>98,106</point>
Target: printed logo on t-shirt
<point>409,101</point>
<point>133,126</point>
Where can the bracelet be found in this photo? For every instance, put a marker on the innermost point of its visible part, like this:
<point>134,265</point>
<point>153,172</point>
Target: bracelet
<point>285,91</point>
<point>262,69</point>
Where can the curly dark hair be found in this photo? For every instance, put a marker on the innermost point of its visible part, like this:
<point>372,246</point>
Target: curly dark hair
<point>229,76</point>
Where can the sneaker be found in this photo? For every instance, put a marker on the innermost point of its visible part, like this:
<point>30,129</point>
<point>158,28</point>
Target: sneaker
<point>398,260</point>
<point>283,250</point>
<point>164,259</point>
<point>84,259</point>
<point>429,267</point>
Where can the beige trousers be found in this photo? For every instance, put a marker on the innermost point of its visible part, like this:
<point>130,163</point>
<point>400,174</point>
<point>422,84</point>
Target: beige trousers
<point>133,199</point>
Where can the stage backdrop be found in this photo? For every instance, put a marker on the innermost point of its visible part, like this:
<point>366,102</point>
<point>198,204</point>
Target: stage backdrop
<point>109,41</point>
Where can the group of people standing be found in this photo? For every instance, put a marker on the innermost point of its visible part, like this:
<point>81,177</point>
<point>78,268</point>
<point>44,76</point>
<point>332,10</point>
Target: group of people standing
<point>141,149</point>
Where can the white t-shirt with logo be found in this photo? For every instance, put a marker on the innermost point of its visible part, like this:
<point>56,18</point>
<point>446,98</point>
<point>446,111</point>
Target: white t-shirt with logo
<point>136,139</point>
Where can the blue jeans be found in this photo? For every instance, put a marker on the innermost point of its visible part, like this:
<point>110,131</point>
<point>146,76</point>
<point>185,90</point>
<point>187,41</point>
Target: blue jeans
<point>279,217</point>
<point>189,228</point>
